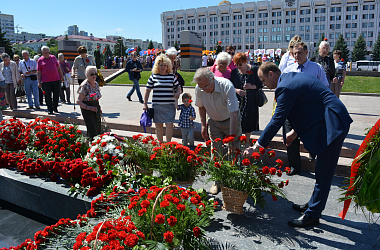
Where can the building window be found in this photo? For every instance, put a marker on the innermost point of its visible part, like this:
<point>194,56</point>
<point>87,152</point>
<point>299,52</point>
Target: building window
<point>338,9</point>
<point>317,19</point>
<point>354,25</point>
<point>322,27</point>
<point>337,26</point>
<point>222,32</point>
<point>332,9</point>
<point>323,18</point>
<point>347,35</point>
<point>348,25</point>
<point>240,24</point>
<point>370,34</point>
<point>332,18</point>
<point>354,17</point>
<point>287,21</point>
<point>348,17</point>
<point>302,20</point>
<point>227,25</point>
<point>353,34</point>
<point>316,36</point>
<point>349,8</point>
<point>338,18</point>
<point>371,24</point>
<point>279,21</point>
<point>279,13</point>
<point>302,28</point>
<point>307,19</point>
<point>227,32</point>
<point>278,38</point>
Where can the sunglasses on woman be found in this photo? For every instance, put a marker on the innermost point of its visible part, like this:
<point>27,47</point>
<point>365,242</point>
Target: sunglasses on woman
<point>93,74</point>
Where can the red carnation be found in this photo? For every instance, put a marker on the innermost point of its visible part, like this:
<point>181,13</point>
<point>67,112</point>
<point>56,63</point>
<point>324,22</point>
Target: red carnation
<point>160,219</point>
<point>266,170</point>
<point>172,221</point>
<point>246,162</point>
<point>145,204</point>
<point>131,239</point>
<point>256,155</point>
<point>87,60</point>
<point>279,162</point>
<point>197,231</point>
<point>181,207</point>
<point>164,203</point>
<point>217,164</point>
<point>262,151</point>
<point>168,236</point>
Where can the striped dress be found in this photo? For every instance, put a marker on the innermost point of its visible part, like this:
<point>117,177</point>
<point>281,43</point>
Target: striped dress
<point>163,88</point>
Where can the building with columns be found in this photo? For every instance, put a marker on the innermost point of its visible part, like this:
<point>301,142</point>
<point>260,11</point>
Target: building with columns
<point>271,24</point>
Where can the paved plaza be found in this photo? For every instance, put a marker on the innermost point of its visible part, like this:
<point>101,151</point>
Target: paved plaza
<point>258,228</point>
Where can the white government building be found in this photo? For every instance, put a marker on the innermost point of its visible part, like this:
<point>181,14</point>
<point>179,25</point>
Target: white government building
<point>271,24</point>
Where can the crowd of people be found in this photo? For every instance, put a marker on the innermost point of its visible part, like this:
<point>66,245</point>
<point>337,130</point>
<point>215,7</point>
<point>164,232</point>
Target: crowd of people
<point>307,104</point>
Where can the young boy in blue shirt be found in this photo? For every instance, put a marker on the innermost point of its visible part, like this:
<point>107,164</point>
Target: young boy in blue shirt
<point>186,119</point>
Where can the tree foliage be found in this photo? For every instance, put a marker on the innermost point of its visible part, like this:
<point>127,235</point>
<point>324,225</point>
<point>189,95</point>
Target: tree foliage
<point>376,50</point>
<point>53,46</point>
<point>119,48</point>
<point>108,51</point>
<point>138,50</point>
<point>6,44</point>
<point>150,45</point>
<point>342,46</point>
<point>360,49</point>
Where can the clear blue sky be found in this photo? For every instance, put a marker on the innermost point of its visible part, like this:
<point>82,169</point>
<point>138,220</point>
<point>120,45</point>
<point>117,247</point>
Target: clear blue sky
<point>127,18</point>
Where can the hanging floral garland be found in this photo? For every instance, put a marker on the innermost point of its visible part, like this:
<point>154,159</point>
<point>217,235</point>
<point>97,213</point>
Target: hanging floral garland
<point>364,184</point>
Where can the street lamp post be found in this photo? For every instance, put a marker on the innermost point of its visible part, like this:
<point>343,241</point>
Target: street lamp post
<point>17,38</point>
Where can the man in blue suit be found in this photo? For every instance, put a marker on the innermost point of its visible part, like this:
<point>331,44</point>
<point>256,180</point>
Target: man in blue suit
<point>319,118</point>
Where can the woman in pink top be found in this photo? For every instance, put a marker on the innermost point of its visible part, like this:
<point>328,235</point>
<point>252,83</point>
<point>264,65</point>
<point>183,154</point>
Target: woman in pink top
<point>220,68</point>
<point>49,75</point>
<point>231,50</point>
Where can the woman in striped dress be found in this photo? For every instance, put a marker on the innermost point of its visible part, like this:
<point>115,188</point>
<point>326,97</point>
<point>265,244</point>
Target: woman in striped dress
<point>165,88</point>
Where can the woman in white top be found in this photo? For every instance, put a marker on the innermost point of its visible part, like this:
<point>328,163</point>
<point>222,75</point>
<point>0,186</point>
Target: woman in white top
<point>288,59</point>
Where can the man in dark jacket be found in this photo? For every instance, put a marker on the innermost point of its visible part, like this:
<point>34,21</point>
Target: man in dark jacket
<point>319,118</point>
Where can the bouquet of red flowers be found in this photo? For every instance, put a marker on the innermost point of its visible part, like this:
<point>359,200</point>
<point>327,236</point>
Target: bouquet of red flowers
<point>11,135</point>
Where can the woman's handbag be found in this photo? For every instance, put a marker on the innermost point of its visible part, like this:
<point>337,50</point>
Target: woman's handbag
<point>145,120</point>
<point>67,79</point>
<point>104,127</point>
<point>20,90</point>
<point>261,98</point>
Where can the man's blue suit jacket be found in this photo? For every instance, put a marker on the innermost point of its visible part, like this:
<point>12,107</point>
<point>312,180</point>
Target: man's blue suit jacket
<point>313,110</point>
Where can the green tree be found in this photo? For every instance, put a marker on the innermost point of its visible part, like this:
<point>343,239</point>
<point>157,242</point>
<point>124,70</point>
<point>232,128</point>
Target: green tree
<point>376,50</point>
<point>18,51</point>
<point>150,45</point>
<point>138,50</point>
<point>6,44</point>
<point>108,51</point>
<point>119,49</point>
<point>53,46</point>
<point>360,49</point>
<point>319,42</point>
<point>176,45</point>
<point>342,46</point>
<point>66,37</point>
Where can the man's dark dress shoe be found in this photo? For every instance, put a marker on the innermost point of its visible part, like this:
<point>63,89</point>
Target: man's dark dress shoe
<point>293,171</point>
<point>300,208</point>
<point>304,221</point>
